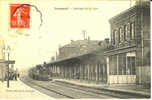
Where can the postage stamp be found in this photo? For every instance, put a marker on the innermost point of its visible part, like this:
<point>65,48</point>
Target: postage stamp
<point>19,16</point>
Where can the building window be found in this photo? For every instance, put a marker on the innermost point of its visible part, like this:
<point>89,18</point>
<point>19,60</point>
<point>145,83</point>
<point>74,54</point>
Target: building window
<point>127,32</point>
<point>113,65</point>
<point>122,64</point>
<point>121,35</point>
<point>131,65</point>
<point>114,36</point>
<point>132,31</point>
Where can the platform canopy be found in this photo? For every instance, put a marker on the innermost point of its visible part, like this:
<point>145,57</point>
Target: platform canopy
<point>90,57</point>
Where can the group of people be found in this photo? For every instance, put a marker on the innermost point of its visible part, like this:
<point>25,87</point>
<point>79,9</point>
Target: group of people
<point>12,76</point>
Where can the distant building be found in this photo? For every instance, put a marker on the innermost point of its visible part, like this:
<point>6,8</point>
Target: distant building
<point>78,47</point>
<point>128,56</point>
<point>2,59</point>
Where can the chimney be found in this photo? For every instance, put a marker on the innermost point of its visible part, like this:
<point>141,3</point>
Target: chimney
<point>72,41</point>
<point>107,40</point>
<point>88,38</point>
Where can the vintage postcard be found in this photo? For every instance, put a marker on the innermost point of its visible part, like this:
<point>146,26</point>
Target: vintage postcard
<point>75,49</point>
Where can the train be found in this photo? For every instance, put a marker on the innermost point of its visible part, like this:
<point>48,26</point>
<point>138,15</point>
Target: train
<point>39,73</point>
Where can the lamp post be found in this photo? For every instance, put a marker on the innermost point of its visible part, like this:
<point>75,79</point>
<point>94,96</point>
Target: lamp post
<point>8,52</point>
<point>7,62</point>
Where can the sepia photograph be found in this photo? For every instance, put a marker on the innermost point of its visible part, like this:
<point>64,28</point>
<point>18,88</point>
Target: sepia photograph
<point>75,49</point>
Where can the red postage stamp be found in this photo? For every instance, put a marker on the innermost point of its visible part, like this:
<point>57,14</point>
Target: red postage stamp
<point>19,16</point>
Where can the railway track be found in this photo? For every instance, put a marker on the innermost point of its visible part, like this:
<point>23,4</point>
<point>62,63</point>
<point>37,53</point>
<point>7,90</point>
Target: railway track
<point>100,91</point>
<point>41,87</point>
<point>67,90</point>
<point>78,93</point>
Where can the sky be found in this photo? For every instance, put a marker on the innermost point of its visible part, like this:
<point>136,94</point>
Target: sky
<point>38,44</point>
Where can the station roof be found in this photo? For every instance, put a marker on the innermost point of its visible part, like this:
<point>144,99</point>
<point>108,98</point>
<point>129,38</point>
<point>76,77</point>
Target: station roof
<point>77,58</point>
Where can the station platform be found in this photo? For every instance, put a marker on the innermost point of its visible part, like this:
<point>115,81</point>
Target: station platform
<point>121,88</point>
<point>19,90</point>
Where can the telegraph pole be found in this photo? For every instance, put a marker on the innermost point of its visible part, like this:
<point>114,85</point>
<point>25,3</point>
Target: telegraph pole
<point>84,34</point>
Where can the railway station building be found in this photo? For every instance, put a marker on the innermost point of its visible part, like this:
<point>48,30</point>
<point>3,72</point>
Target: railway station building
<point>128,56</point>
<point>81,60</point>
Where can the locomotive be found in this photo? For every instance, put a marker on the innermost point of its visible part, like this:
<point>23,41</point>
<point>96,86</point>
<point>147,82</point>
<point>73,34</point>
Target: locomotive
<point>39,72</point>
